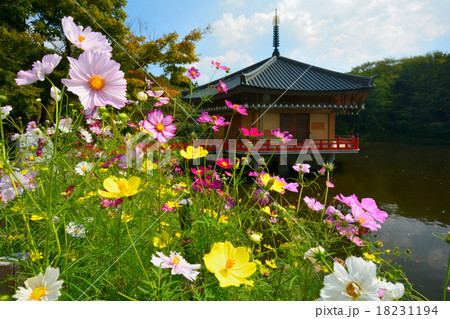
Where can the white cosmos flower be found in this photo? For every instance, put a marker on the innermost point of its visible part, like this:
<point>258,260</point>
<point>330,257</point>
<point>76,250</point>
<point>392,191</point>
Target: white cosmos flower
<point>392,291</point>
<point>75,230</point>
<point>41,287</point>
<point>359,283</point>
<point>86,135</point>
<point>83,167</point>
<point>314,253</point>
<point>178,264</point>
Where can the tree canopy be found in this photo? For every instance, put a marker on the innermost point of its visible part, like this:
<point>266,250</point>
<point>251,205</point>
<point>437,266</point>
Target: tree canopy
<point>30,29</point>
<point>411,99</point>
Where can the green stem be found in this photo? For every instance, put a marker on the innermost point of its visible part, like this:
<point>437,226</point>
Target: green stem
<point>444,297</point>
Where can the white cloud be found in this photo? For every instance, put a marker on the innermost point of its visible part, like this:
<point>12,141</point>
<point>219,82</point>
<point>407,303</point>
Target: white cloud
<point>308,28</point>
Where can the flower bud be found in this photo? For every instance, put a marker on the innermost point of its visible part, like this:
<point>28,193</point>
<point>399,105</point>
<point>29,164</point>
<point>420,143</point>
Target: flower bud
<point>255,237</point>
<point>38,100</point>
<point>142,97</point>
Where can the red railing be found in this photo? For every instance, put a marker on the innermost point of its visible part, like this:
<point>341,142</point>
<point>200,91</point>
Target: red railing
<point>269,145</point>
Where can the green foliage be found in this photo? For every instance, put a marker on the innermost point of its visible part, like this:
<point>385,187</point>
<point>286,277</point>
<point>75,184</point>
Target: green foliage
<point>411,99</point>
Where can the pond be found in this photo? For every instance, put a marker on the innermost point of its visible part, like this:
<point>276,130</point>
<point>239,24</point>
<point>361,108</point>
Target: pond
<point>411,182</point>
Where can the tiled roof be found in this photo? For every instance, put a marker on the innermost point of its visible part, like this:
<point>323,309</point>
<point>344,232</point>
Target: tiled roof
<point>280,73</point>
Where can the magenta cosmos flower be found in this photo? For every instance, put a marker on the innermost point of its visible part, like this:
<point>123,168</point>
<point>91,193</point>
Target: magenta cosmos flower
<point>97,81</point>
<point>218,66</point>
<point>193,73</point>
<point>253,132</point>
<point>222,87</point>
<point>84,39</point>
<point>40,69</point>
<point>160,126</point>
<point>224,163</point>
<point>236,107</point>
<point>178,264</point>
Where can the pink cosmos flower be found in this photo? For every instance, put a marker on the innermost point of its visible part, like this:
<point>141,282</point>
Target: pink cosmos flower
<point>218,66</point>
<point>364,219</point>
<point>193,73</point>
<point>158,95</point>
<point>367,204</point>
<point>312,204</point>
<point>84,39</point>
<point>302,168</point>
<point>215,120</point>
<point>253,132</point>
<point>221,87</point>
<point>329,184</point>
<point>236,107</point>
<point>224,163</point>
<point>97,81</point>
<point>160,126</point>
<point>261,196</point>
<point>322,171</point>
<point>178,264</point>
<point>284,137</point>
<point>40,69</point>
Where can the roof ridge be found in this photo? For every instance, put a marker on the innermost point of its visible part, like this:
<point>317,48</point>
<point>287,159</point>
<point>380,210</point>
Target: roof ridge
<point>361,78</point>
<point>246,77</point>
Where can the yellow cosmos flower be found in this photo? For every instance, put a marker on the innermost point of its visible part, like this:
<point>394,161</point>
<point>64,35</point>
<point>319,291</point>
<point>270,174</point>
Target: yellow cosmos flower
<point>222,219</point>
<point>230,265</point>
<point>162,239</point>
<point>272,184</point>
<point>271,263</point>
<point>126,218</point>
<point>120,187</point>
<point>36,217</point>
<point>149,166</point>
<point>193,153</point>
<point>372,257</point>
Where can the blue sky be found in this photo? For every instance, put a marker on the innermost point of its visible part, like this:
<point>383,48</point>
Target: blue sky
<point>334,34</point>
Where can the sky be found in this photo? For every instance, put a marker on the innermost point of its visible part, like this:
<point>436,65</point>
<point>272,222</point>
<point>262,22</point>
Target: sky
<point>332,34</point>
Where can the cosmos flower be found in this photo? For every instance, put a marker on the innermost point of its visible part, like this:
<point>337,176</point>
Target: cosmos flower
<point>162,239</point>
<point>193,73</point>
<point>313,254</point>
<point>216,121</point>
<point>5,110</point>
<point>97,81</point>
<point>120,187</point>
<point>83,167</point>
<point>158,95</point>
<point>302,168</point>
<point>236,107</point>
<point>75,230</point>
<point>261,196</point>
<point>160,126</point>
<point>178,264</point>
<point>84,39</point>
<point>230,265</point>
<point>40,69</point>
<point>41,287</point>
<point>252,132</point>
<point>312,204</point>
<point>218,66</point>
<point>224,163</point>
<point>284,137</point>
<point>193,153</point>
<point>222,87</point>
<point>272,183</point>
<point>358,283</point>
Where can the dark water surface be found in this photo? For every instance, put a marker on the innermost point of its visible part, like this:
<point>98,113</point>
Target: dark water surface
<point>411,182</point>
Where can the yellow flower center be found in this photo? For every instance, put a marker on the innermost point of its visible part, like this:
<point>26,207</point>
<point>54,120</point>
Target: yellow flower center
<point>97,83</point>
<point>38,293</point>
<point>193,73</point>
<point>121,185</point>
<point>175,260</point>
<point>81,38</point>
<point>160,127</point>
<point>84,168</point>
<point>361,220</point>
<point>214,118</point>
<point>353,289</point>
<point>230,263</point>
<point>224,163</point>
